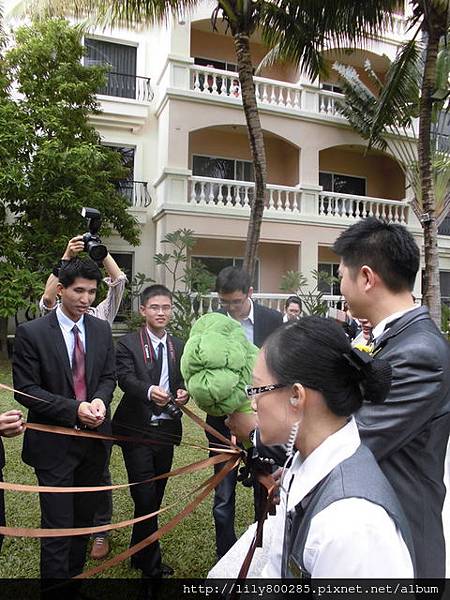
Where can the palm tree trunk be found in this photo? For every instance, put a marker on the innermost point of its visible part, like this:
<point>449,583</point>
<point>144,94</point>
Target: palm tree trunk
<point>255,134</point>
<point>431,284</point>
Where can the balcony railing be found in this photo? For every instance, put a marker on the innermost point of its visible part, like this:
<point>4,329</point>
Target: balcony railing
<point>136,193</point>
<point>348,207</point>
<point>215,82</point>
<point>225,192</point>
<point>210,302</point>
<point>122,85</point>
<point>286,201</point>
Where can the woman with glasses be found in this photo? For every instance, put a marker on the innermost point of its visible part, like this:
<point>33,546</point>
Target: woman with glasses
<point>338,516</point>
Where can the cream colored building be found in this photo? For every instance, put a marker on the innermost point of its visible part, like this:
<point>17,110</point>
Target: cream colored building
<point>187,146</point>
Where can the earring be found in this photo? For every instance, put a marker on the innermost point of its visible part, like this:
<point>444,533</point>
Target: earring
<point>293,401</point>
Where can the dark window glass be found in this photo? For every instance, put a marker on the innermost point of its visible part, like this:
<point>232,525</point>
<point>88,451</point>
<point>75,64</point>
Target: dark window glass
<point>125,186</point>
<point>220,168</point>
<point>444,227</point>
<point>121,60</point>
<point>342,184</point>
<point>326,181</point>
<point>444,277</point>
<point>215,264</point>
<point>330,269</point>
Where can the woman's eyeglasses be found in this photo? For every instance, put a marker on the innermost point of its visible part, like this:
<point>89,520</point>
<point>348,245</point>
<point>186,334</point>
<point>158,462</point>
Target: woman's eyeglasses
<point>253,391</point>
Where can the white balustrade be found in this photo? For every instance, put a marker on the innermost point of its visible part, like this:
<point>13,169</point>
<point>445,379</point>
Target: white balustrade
<point>215,82</point>
<point>210,302</point>
<point>211,191</point>
<point>348,207</point>
<point>328,103</point>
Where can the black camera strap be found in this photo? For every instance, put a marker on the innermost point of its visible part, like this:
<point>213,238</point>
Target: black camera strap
<point>148,352</point>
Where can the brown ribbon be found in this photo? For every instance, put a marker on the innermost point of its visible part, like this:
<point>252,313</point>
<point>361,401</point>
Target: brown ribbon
<point>192,468</point>
<point>208,486</point>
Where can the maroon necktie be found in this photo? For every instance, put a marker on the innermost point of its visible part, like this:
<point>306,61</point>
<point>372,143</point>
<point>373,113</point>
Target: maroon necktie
<point>78,367</point>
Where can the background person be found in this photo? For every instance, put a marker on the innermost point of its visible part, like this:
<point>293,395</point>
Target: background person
<point>408,434</point>
<point>148,370</point>
<point>338,516</point>
<point>116,282</point>
<point>67,360</point>
<point>292,309</point>
<point>107,311</point>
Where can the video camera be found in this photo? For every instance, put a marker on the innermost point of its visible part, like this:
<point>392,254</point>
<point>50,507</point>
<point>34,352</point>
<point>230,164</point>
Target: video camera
<point>92,242</point>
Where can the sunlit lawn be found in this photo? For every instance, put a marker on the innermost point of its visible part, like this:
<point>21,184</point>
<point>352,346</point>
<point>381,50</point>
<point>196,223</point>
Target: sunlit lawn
<point>189,548</point>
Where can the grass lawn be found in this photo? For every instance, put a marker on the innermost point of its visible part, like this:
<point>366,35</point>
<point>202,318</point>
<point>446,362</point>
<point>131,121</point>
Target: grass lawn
<point>189,548</point>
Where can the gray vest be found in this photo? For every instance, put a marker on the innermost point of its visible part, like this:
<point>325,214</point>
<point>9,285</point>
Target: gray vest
<point>356,477</point>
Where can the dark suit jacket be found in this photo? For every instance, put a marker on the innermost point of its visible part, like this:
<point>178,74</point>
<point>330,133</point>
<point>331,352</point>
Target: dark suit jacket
<point>41,368</point>
<point>135,378</point>
<point>408,434</point>
<point>266,320</point>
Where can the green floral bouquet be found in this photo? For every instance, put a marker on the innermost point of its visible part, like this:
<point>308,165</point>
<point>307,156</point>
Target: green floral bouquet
<point>217,364</point>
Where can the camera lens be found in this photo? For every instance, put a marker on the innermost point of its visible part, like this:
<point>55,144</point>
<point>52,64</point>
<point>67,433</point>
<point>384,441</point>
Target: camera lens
<point>173,410</point>
<point>97,251</point>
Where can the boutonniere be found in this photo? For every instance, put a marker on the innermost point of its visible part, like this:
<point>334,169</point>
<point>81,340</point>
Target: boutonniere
<point>369,349</point>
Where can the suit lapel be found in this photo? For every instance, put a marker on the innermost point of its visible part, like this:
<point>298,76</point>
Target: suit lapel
<point>60,346</point>
<point>258,325</point>
<point>400,324</point>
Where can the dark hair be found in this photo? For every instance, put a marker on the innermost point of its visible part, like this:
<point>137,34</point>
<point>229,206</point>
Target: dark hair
<point>79,267</point>
<point>232,279</point>
<point>315,352</point>
<point>388,248</point>
<point>154,290</point>
<point>293,300</point>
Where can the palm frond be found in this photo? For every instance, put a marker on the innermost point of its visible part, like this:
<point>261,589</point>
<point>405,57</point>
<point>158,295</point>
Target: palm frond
<point>129,13</point>
<point>399,97</point>
<point>302,29</point>
<point>359,105</point>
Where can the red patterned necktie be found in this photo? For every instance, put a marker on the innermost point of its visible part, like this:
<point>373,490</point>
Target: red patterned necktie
<point>78,367</point>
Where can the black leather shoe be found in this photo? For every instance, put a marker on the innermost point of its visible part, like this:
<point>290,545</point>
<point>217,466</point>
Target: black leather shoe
<point>166,570</point>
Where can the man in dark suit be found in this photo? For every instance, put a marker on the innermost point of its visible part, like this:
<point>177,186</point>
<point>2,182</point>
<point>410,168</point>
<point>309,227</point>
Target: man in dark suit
<point>408,434</point>
<point>66,359</point>
<point>234,288</point>
<point>148,370</point>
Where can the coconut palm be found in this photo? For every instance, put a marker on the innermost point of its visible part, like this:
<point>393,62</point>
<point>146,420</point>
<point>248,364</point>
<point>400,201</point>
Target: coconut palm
<point>299,29</point>
<point>416,85</point>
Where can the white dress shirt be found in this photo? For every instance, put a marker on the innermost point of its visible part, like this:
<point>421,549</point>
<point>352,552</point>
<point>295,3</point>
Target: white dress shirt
<point>378,331</point>
<point>248,324</point>
<point>351,538</point>
<point>164,379</point>
<point>66,326</point>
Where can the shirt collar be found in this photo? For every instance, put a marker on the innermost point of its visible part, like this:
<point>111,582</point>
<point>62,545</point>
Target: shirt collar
<point>66,323</point>
<point>379,329</point>
<point>250,317</point>
<point>309,472</point>
<point>156,340</point>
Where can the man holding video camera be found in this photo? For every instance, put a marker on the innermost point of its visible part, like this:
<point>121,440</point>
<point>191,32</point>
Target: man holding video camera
<point>148,372</point>
<point>105,310</point>
<point>116,280</point>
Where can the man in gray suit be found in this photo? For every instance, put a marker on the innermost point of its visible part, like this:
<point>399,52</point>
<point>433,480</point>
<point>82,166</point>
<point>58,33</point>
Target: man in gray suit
<point>408,434</point>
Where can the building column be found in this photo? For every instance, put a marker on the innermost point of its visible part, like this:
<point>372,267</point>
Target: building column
<point>308,253</point>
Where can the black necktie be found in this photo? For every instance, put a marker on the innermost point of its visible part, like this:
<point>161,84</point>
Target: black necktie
<point>159,360</point>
